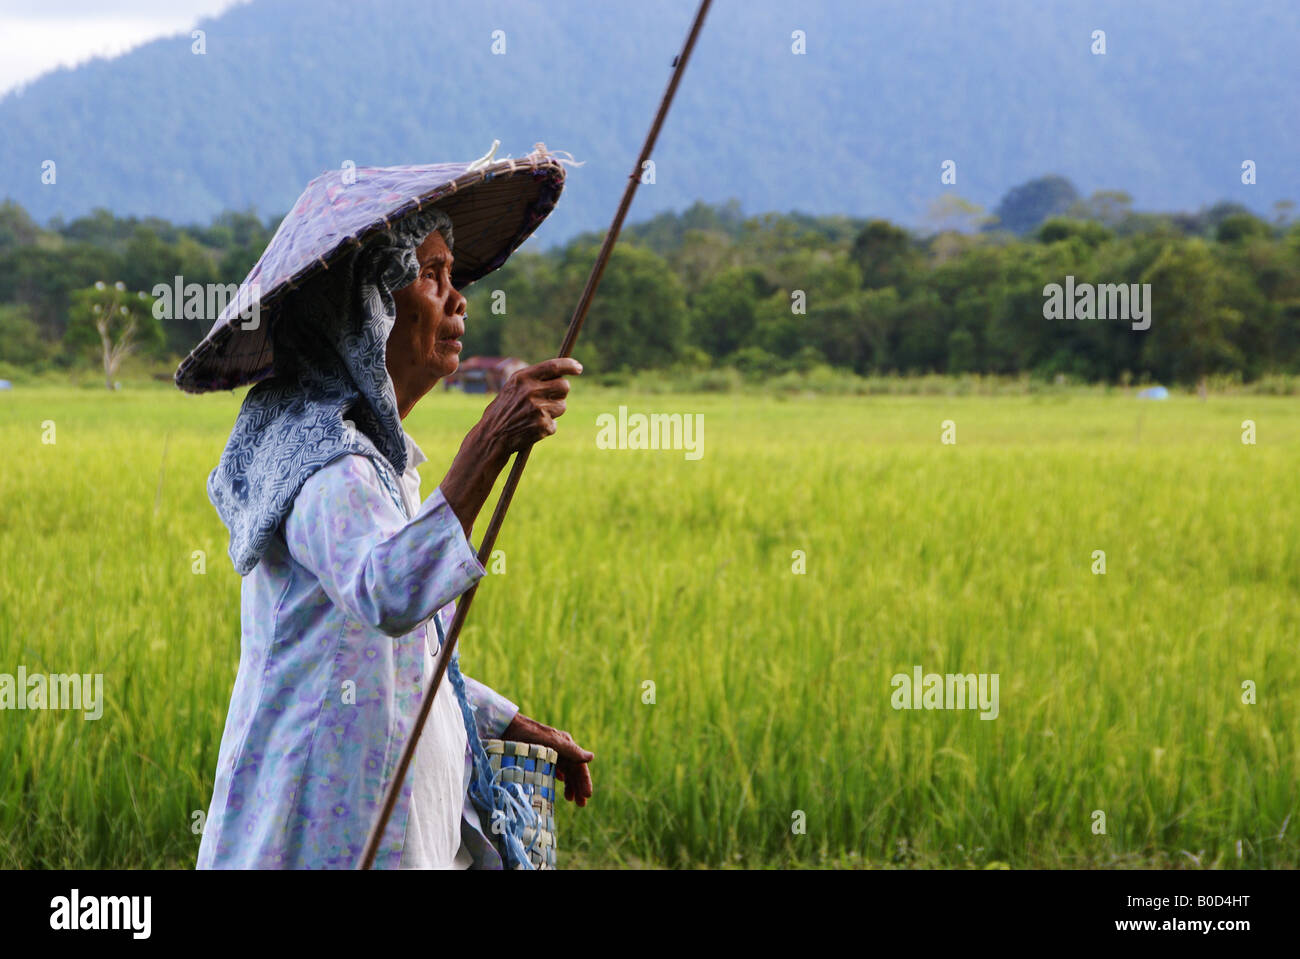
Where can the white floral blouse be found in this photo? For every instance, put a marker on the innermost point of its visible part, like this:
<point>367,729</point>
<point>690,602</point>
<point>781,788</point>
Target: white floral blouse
<point>335,647</point>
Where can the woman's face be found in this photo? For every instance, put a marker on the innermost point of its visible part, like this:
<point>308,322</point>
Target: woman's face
<point>424,345</point>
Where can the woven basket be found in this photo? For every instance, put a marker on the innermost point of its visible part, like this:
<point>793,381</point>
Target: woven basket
<point>532,767</point>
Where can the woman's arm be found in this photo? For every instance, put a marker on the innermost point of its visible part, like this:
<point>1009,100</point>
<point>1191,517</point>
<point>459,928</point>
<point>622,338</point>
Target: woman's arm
<point>493,713</point>
<point>384,571</point>
<point>522,413</point>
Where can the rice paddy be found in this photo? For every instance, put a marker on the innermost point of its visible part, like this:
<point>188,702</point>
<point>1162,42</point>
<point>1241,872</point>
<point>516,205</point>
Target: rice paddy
<point>723,631</point>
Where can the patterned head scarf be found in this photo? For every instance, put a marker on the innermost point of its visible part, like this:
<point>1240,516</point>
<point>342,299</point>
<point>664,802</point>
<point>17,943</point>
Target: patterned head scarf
<point>330,393</point>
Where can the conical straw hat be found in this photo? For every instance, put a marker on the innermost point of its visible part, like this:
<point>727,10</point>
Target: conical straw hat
<point>494,206</point>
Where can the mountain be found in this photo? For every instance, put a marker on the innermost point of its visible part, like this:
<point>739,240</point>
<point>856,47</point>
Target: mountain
<point>859,124</point>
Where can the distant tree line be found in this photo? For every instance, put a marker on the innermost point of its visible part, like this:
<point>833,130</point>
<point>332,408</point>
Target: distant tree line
<point>767,294</point>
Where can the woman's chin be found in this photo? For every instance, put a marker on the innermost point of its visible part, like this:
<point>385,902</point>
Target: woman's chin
<point>446,363</point>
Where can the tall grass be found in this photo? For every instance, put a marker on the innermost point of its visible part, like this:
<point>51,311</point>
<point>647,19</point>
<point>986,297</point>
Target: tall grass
<point>1119,692</point>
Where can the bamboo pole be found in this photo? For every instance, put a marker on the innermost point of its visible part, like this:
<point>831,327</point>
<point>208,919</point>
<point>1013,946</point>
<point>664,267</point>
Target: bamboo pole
<point>521,458</point>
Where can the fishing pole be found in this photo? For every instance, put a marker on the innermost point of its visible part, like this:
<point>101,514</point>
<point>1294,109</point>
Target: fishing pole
<point>521,457</point>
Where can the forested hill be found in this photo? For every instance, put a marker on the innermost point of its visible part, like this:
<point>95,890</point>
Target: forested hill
<point>859,124</point>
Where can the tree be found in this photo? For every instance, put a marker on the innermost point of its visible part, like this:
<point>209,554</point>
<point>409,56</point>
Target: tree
<point>114,320</point>
<point>701,256</point>
<point>1241,226</point>
<point>522,310</point>
<point>21,342</point>
<point>952,213</point>
<point>723,313</point>
<point>1029,204</point>
<point>1191,329</point>
<point>16,227</point>
<point>43,279</point>
<point>639,320</point>
<point>961,351</point>
<point>923,327</point>
<point>1109,207</point>
<point>1059,228</point>
<point>885,255</point>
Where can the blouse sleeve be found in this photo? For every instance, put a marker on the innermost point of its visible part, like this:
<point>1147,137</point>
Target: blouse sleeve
<point>381,569</point>
<point>492,711</point>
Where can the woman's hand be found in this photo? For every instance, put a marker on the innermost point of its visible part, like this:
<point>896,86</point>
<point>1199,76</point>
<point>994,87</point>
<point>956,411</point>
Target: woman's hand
<point>526,408</point>
<point>571,768</point>
<point>521,414</point>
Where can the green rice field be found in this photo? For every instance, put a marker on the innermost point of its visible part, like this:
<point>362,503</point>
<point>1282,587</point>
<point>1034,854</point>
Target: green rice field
<point>769,737</point>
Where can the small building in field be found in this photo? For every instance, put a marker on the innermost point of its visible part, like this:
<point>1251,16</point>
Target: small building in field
<point>483,374</point>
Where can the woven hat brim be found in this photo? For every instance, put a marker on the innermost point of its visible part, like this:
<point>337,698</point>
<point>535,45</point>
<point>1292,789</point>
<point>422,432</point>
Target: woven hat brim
<point>493,211</point>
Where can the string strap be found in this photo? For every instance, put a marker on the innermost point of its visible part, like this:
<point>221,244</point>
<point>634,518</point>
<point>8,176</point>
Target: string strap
<point>505,803</point>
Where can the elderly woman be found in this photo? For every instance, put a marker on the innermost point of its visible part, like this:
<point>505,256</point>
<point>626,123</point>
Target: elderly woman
<point>346,568</point>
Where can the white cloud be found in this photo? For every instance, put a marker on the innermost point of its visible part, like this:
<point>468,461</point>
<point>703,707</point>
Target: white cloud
<point>68,32</point>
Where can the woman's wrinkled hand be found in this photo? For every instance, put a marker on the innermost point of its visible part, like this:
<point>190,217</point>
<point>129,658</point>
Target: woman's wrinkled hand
<point>525,410</point>
<point>570,768</point>
<point>521,414</point>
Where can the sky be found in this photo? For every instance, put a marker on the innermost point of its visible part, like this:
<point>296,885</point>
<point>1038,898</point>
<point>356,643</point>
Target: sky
<point>37,36</point>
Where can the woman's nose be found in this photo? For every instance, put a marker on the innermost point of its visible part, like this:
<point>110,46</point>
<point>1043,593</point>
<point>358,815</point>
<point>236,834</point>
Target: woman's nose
<point>455,302</point>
